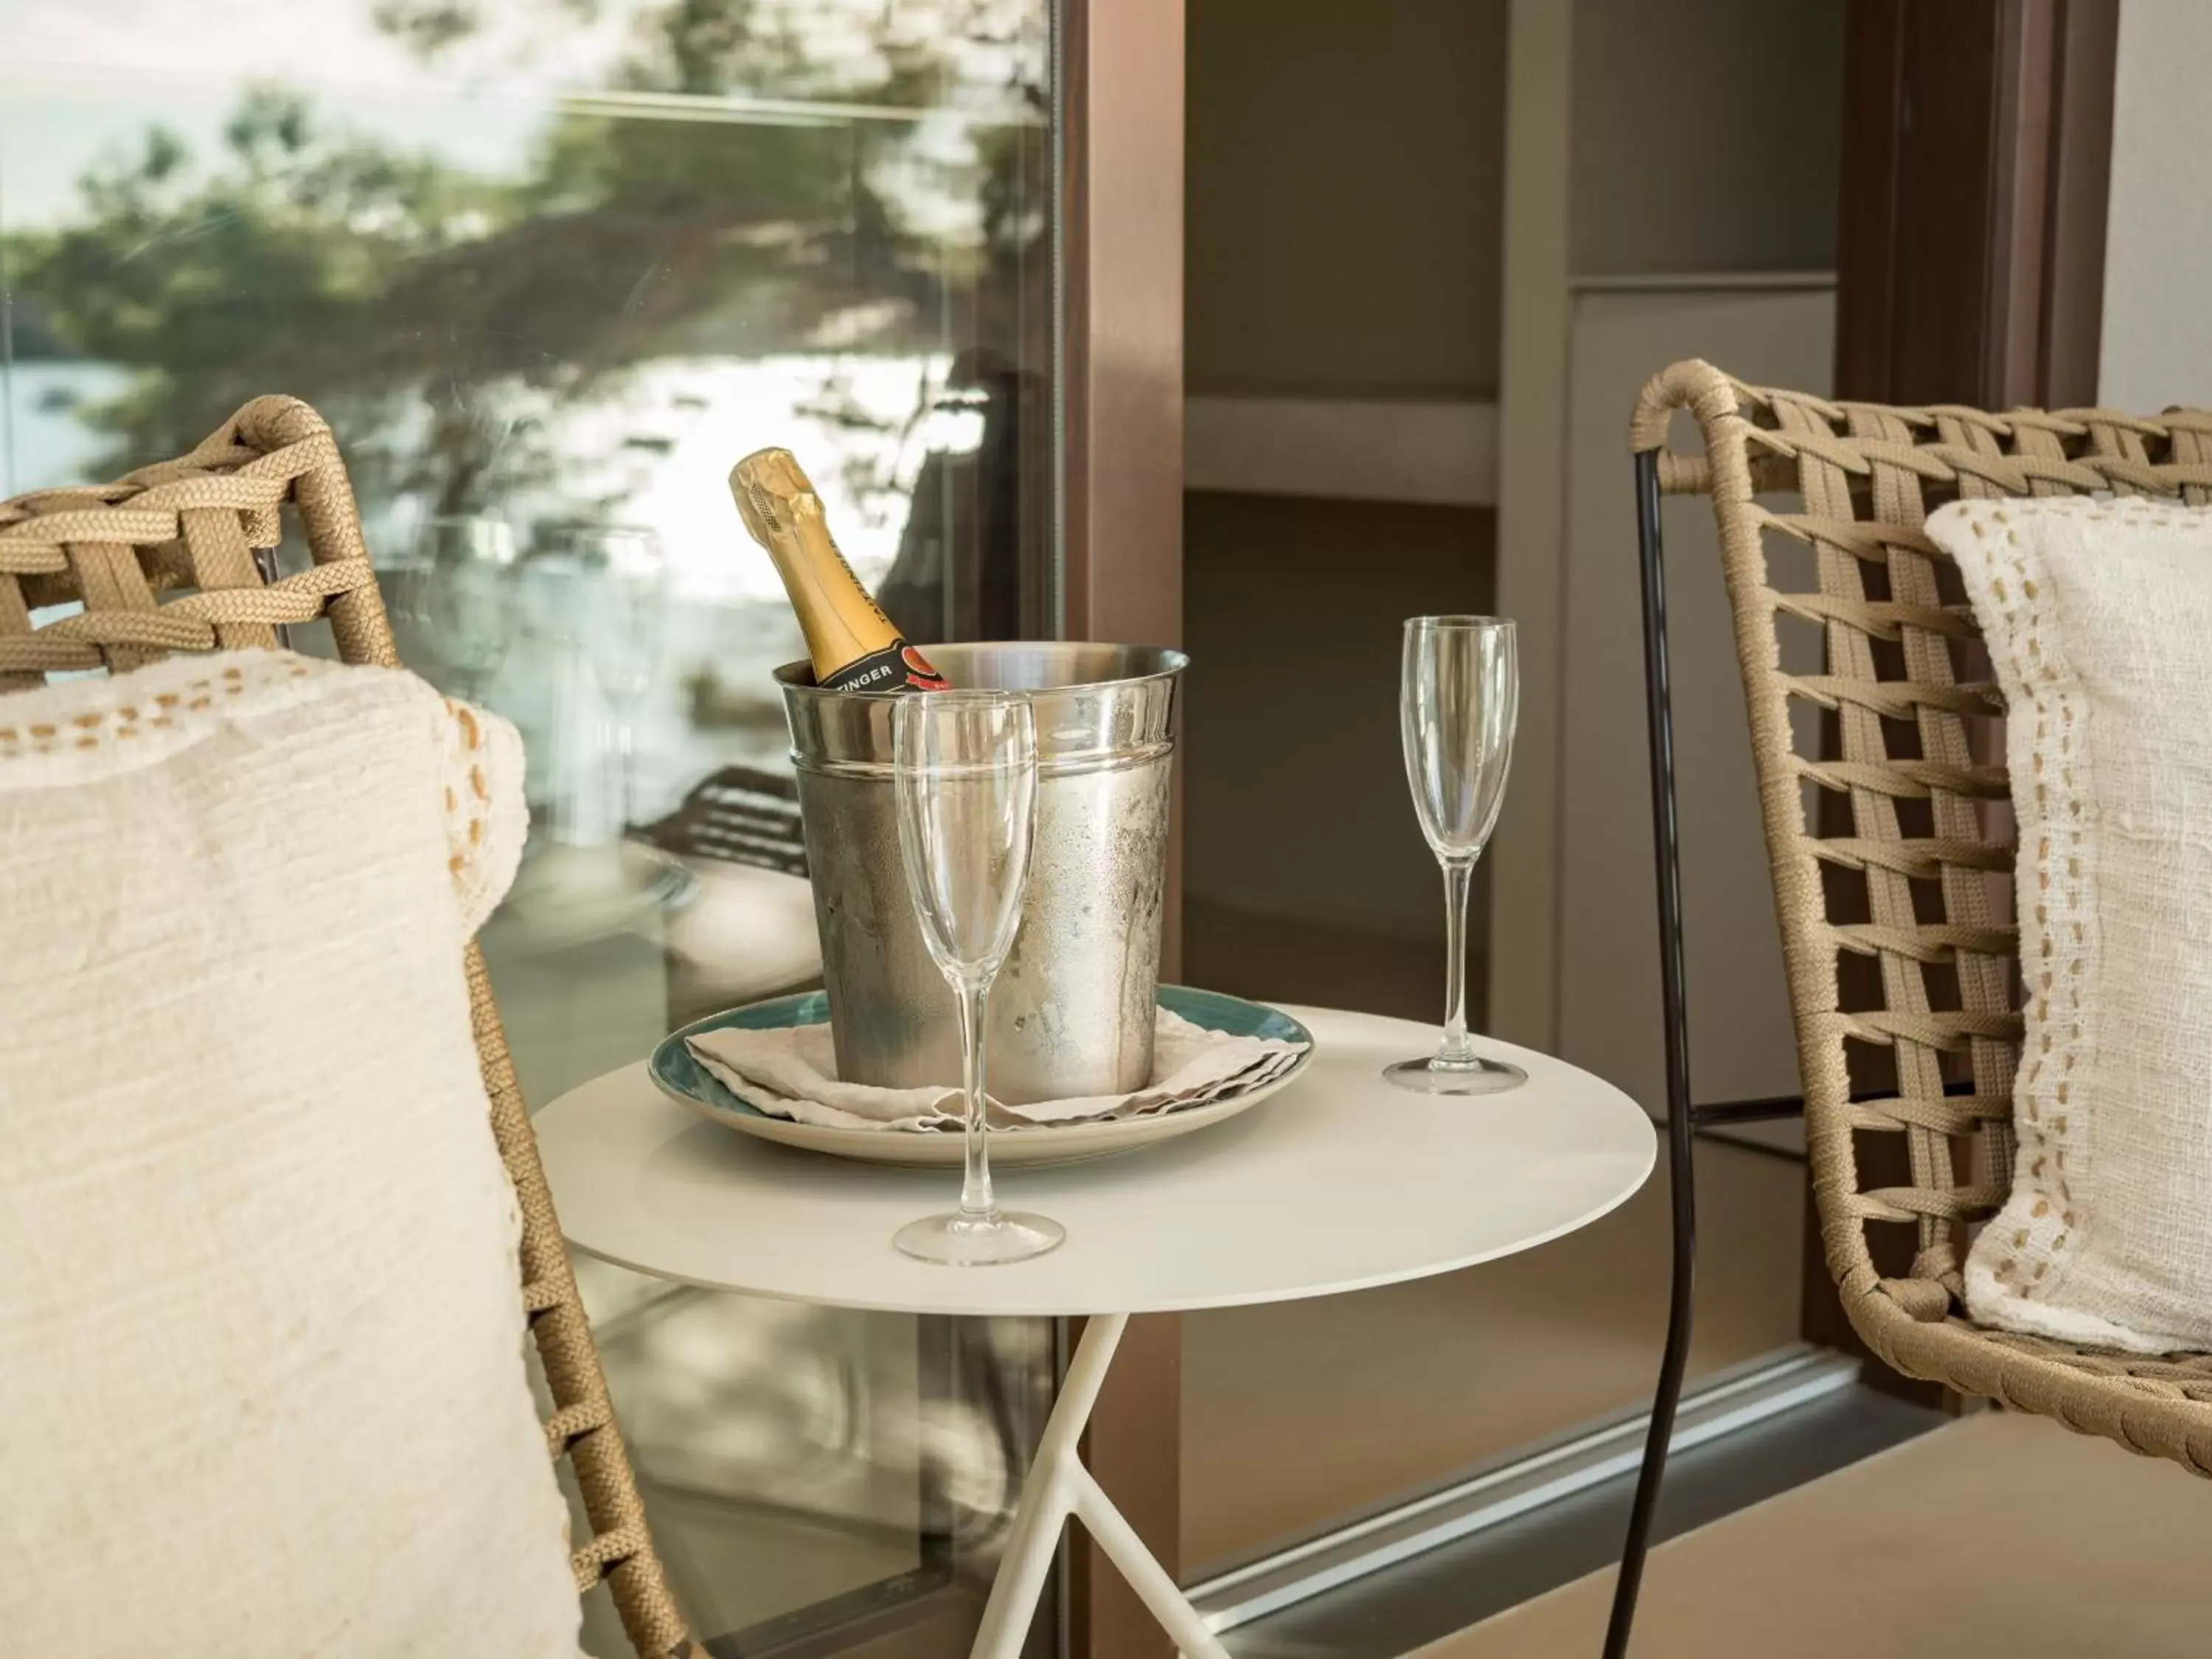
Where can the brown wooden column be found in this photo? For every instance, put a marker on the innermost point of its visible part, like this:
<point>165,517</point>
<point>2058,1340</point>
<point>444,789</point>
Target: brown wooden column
<point>1976,160</point>
<point>1977,155</point>
<point>1122,493</point>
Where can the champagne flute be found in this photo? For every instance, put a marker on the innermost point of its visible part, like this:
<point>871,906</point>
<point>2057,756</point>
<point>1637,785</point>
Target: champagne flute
<point>1459,695</point>
<point>573,769</point>
<point>466,561</point>
<point>965,766</point>
<point>623,578</point>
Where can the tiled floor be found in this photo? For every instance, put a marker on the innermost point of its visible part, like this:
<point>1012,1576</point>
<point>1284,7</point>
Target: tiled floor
<point>1451,1589</point>
<point>2001,1534</point>
<point>1298,1413</point>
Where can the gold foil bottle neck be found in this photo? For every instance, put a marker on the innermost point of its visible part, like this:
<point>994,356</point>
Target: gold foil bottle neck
<point>847,635</point>
<point>767,485</point>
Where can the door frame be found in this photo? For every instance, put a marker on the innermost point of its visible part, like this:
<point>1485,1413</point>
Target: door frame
<point>1119,163</point>
<point>1977,153</point>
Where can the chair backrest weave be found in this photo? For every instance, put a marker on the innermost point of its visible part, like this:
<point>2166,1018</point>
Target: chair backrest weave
<point>191,529</point>
<point>1907,864</point>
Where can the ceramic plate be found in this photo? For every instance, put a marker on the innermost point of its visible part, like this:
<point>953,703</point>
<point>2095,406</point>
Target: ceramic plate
<point>681,1077</point>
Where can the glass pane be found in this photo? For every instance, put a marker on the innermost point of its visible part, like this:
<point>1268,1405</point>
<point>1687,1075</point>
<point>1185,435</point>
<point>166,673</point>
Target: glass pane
<point>550,267</point>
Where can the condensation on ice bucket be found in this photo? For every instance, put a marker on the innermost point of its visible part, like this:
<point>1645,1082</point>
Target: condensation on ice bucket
<point>1072,1011</point>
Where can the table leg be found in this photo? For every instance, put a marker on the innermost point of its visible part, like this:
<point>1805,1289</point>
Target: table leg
<point>1059,1486</point>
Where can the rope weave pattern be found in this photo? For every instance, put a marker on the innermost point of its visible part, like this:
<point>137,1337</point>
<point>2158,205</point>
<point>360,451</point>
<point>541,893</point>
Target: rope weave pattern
<point>194,524</point>
<point>1921,774</point>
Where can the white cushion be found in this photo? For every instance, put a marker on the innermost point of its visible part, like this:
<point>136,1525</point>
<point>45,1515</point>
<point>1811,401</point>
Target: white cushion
<point>2098,618</point>
<point>262,1387</point>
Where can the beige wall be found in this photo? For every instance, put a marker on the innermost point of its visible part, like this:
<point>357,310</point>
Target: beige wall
<point>1741,1045</point>
<point>1295,792</point>
<point>1346,169</point>
<point>1705,136</point>
<point>1342,222</point>
<point>2158,246</point>
<point>1342,197</point>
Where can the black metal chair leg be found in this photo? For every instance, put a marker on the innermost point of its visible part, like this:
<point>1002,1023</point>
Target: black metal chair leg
<point>1681,1174</point>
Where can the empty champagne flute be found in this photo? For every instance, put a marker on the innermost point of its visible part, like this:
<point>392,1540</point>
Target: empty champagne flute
<point>467,562</point>
<point>965,766</point>
<point>620,579</point>
<point>1459,695</point>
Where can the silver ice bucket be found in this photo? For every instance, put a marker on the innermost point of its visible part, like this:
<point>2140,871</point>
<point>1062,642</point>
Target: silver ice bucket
<point>1072,1011</point>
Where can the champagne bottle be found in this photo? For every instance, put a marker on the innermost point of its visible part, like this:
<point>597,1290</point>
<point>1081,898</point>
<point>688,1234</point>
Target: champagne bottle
<point>854,647</point>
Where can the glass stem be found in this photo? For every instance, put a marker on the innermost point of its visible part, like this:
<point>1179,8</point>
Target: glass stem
<point>977,1203</point>
<point>1456,1050</point>
<point>626,757</point>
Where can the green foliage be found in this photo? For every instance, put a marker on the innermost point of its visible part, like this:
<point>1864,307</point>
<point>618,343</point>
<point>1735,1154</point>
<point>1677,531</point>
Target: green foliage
<point>380,281</point>
<point>282,256</point>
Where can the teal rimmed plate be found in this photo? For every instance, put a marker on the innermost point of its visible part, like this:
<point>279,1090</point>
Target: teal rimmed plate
<point>682,1079</point>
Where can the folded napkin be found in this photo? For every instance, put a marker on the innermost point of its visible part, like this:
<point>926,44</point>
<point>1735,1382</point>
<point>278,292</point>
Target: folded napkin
<point>792,1071</point>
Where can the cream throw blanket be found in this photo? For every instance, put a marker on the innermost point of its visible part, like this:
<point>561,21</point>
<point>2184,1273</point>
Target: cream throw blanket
<point>262,1389</point>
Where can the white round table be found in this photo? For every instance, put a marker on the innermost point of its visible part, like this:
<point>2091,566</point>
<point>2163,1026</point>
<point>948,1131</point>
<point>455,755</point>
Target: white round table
<point>1340,1182</point>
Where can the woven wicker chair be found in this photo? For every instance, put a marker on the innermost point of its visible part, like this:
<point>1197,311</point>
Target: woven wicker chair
<point>1915,840</point>
<point>197,523</point>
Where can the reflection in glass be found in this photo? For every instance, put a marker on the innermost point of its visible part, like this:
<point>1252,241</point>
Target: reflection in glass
<point>451,596</point>
<point>593,611</point>
<point>545,265</point>
<point>618,581</point>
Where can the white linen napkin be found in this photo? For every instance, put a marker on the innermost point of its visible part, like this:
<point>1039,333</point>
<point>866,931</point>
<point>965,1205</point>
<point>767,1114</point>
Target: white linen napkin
<point>792,1071</point>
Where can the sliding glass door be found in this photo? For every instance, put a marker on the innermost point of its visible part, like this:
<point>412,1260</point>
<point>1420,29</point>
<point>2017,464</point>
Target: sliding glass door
<point>550,267</point>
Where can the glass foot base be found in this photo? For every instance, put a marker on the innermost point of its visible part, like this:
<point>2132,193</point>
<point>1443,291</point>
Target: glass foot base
<point>1427,1077</point>
<point>958,1240</point>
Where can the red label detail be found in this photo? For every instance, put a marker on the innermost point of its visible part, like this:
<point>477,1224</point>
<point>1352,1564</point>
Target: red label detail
<point>919,673</point>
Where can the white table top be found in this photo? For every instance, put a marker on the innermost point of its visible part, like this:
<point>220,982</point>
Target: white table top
<point>1340,1182</point>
